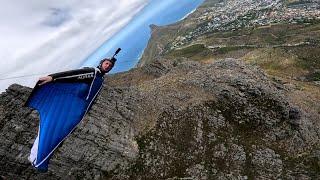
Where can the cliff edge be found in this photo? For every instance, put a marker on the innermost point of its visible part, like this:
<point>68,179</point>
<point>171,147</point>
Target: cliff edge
<point>174,119</point>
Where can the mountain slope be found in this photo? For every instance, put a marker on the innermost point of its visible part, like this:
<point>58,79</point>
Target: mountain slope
<point>281,36</point>
<point>173,120</point>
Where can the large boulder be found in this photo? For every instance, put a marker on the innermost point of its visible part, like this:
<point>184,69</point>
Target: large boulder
<point>173,119</point>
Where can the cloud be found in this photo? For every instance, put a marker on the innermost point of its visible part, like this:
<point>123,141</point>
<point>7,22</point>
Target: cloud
<point>41,37</point>
<point>57,17</point>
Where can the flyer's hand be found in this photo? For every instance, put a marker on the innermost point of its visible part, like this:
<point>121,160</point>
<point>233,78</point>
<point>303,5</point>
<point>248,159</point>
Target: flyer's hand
<point>45,79</point>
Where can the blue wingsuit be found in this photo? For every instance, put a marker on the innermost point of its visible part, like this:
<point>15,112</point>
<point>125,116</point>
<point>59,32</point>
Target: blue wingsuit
<point>61,104</point>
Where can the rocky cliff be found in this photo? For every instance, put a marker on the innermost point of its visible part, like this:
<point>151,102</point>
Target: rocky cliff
<point>175,119</point>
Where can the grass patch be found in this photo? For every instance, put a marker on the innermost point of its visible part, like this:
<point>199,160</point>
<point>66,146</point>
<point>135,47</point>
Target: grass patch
<point>196,52</point>
<point>314,76</point>
<point>308,56</point>
<point>190,50</point>
<point>225,50</point>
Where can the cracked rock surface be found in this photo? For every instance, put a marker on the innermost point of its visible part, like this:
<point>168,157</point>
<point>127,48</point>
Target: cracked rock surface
<point>173,119</point>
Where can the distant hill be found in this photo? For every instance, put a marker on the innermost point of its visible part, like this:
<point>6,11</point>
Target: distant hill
<point>281,36</point>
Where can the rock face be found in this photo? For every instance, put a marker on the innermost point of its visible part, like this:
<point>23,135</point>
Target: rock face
<point>173,119</point>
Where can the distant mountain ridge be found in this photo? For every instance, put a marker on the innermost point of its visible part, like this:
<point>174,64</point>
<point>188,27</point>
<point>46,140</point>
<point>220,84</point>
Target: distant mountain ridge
<point>280,36</point>
<point>248,30</point>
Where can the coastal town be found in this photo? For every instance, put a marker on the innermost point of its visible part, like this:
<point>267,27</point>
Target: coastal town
<point>234,15</point>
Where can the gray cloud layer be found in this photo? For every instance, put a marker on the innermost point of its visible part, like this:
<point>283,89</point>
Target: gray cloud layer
<point>55,35</point>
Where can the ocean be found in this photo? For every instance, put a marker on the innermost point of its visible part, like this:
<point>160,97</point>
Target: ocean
<point>134,38</point>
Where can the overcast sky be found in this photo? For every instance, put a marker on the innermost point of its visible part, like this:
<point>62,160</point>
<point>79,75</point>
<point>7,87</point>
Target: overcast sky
<point>55,35</point>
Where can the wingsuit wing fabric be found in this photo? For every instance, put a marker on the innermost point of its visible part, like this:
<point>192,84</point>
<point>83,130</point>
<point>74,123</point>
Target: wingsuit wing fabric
<point>61,104</point>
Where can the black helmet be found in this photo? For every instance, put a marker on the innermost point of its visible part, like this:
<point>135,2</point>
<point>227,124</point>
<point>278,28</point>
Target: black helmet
<point>112,60</point>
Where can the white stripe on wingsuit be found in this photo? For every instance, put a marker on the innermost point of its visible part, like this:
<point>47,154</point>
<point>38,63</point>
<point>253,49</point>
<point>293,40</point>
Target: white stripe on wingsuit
<point>71,130</point>
<point>95,75</point>
<point>74,75</point>
<point>34,150</point>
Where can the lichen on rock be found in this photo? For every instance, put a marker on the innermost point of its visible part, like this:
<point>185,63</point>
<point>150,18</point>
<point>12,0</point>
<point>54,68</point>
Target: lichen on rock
<point>173,119</point>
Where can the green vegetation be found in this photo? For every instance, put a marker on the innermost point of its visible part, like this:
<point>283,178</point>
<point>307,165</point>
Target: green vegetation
<point>297,2</point>
<point>196,52</point>
<point>225,50</point>
<point>193,49</point>
<point>308,56</point>
<point>314,76</point>
<point>286,50</point>
<point>310,163</point>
